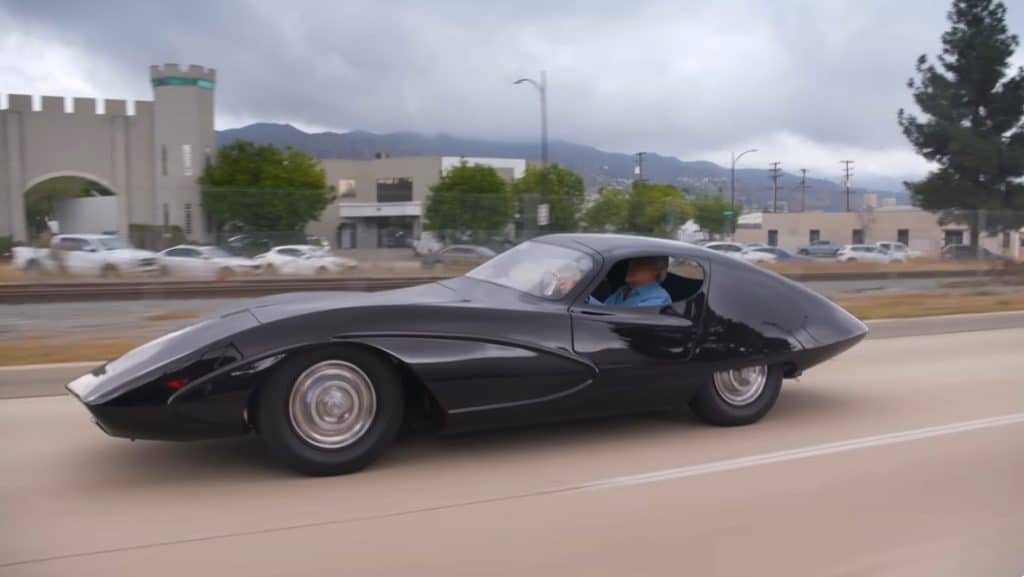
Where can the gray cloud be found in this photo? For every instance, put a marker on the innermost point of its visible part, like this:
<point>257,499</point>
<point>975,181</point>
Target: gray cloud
<point>800,80</point>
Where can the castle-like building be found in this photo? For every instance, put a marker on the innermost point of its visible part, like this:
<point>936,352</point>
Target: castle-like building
<point>150,156</point>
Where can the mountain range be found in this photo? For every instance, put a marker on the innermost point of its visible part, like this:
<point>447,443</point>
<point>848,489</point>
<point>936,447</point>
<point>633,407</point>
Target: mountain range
<point>598,167</point>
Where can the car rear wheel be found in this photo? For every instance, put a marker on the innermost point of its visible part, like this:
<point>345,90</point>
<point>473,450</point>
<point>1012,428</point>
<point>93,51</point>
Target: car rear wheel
<point>738,396</point>
<point>330,411</point>
<point>803,252</point>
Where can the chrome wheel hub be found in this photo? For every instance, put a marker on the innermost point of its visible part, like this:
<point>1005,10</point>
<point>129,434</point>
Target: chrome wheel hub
<point>332,404</point>
<point>740,387</point>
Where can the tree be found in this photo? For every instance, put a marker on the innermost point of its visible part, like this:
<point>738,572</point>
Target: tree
<point>657,209</point>
<point>564,190</point>
<point>972,122</point>
<point>709,212</point>
<point>264,188</point>
<point>470,200</point>
<point>609,213</point>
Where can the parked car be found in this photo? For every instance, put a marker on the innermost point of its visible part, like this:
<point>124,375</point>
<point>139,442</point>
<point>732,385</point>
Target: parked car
<point>770,254</point>
<point>898,249</point>
<point>459,253</point>
<point>302,259</point>
<point>968,252</point>
<point>864,253</point>
<point>86,254</point>
<point>819,248</point>
<point>328,380</point>
<point>730,248</point>
<point>426,243</point>
<point>204,262</point>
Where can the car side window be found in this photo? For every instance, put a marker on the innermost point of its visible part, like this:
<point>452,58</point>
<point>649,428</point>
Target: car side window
<point>289,252</point>
<point>673,280</point>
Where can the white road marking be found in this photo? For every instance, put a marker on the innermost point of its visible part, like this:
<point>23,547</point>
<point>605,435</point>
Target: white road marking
<point>803,453</point>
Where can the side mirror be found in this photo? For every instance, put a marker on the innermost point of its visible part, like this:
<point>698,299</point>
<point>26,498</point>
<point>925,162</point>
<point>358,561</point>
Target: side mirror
<point>90,249</point>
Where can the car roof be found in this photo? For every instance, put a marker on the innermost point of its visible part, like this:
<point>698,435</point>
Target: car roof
<point>88,235</point>
<point>298,246</point>
<point>615,246</point>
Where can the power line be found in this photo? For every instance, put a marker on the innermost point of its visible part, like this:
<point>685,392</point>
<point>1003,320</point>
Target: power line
<point>847,173</point>
<point>775,171</point>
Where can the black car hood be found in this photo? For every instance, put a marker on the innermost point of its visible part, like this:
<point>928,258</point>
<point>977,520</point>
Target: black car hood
<point>277,307</point>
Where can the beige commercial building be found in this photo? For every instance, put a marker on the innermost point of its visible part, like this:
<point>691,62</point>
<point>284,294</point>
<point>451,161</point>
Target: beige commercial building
<point>380,201</point>
<point>918,229</point>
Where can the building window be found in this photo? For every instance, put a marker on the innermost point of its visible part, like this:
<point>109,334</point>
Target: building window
<point>395,231</point>
<point>903,236</point>
<point>1006,240</point>
<point>954,237</point>
<point>186,159</point>
<point>394,190</point>
<point>815,235</point>
<point>858,236</point>
<point>773,238</point>
<point>347,235</point>
<point>163,160</point>
<point>188,218</point>
<point>167,215</point>
<point>346,188</point>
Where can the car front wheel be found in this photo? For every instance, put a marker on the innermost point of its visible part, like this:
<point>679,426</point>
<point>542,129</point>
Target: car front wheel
<point>330,411</point>
<point>738,396</point>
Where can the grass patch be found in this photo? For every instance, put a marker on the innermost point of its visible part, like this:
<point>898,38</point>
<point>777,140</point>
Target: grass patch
<point>40,352</point>
<point>926,305</point>
<point>173,315</point>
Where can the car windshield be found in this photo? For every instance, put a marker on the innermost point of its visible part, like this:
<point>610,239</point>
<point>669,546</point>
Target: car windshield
<point>112,243</point>
<point>534,268</point>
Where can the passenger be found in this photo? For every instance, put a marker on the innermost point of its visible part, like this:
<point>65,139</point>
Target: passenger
<point>566,278</point>
<point>642,288</point>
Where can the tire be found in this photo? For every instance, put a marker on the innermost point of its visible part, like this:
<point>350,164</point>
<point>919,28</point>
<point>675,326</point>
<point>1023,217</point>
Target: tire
<point>270,270</point>
<point>713,405</point>
<point>322,271</point>
<point>292,437</point>
<point>224,273</point>
<point>803,252</point>
<point>109,271</point>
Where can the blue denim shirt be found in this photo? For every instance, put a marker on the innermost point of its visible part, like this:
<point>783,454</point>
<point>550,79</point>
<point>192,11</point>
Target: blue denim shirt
<point>650,294</point>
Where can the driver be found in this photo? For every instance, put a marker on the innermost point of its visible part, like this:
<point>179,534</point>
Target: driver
<point>643,286</point>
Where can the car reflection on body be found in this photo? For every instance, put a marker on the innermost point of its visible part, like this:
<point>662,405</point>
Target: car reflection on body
<point>302,259</point>
<point>204,262</point>
<point>328,378</point>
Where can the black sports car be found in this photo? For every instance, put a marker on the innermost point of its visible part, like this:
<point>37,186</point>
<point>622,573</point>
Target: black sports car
<point>327,379</point>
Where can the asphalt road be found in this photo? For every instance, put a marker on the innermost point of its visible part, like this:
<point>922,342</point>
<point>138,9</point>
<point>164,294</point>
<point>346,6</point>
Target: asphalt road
<point>890,460</point>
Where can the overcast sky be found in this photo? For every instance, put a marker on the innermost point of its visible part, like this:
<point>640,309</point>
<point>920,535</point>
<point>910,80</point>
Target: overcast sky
<point>807,82</point>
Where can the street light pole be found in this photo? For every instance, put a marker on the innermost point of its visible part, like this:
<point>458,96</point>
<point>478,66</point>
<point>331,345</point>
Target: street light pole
<point>732,186</point>
<point>542,91</point>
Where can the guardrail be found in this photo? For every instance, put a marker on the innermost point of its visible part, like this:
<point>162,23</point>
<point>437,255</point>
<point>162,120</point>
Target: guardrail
<point>22,293</point>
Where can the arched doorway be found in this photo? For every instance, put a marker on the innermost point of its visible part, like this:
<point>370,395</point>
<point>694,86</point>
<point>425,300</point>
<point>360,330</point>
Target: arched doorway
<point>70,203</point>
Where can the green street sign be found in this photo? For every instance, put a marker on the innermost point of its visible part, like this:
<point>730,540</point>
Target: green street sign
<point>727,213</point>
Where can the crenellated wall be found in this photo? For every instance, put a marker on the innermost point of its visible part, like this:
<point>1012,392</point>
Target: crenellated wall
<point>122,151</point>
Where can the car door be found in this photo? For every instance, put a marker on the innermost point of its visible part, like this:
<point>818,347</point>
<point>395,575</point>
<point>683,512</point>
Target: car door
<point>79,256</point>
<point>184,261</point>
<point>641,349</point>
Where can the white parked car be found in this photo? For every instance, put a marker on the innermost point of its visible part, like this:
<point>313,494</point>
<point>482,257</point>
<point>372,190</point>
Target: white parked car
<point>898,250</point>
<point>863,253</point>
<point>758,254</point>
<point>302,259</point>
<point>734,249</point>
<point>204,262</point>
<point>86,254</point>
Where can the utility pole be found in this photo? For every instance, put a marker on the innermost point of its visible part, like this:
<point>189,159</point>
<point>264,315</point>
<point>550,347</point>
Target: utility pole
<point>775,170</point>
<point>803,189</point>
<point>638,170</point>
<point>732,188</point>
<point>847,173</point>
